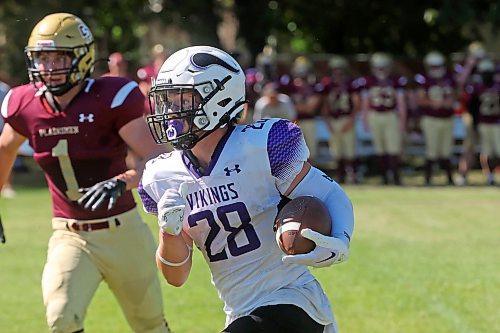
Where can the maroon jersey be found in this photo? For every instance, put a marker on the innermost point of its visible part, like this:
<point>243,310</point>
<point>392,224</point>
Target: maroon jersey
<point>299,91</point>
<point>338,97</point>
<point>382,93</point>
<point>488,102</point>
<point>80,146</point>
<point>437,89</point>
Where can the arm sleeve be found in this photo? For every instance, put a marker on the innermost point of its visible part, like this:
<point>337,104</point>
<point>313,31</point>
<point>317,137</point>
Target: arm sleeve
<point>287,151</point>
<point>318,184</point>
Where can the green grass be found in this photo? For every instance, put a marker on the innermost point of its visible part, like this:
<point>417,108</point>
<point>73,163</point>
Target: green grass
<point>422,260</point>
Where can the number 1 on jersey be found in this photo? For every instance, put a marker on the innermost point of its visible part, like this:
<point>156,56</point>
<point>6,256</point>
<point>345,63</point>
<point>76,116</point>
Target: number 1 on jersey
<point>61,152</point>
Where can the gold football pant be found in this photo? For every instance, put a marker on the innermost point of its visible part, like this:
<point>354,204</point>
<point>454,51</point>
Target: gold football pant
<point>80,257</point>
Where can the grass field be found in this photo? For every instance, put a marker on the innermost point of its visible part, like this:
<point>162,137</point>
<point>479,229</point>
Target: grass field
<point>422,260</point>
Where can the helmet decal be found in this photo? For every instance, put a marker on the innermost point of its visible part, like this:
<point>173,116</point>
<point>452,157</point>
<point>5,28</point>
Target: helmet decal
<point>85,32</point>
<point>204,60</point>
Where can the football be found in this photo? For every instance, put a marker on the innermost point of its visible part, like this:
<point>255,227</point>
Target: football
<point>301,213</point>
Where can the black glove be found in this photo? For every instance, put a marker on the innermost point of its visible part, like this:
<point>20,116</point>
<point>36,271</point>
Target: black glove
<point>2,234</point>
<point>96,195</point>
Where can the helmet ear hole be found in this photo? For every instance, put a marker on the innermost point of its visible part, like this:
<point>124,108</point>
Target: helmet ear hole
<point>224,102</point>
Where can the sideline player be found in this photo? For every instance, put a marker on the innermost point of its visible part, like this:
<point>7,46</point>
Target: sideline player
<point>436,96</point>
<point>80,129</point>
<point>340,107</point>
<point>384,111</point>
<point>221,188</point>
<point>485,102</point>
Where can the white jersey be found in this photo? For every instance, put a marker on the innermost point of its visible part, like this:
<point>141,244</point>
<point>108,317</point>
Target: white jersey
<point>230,212</point>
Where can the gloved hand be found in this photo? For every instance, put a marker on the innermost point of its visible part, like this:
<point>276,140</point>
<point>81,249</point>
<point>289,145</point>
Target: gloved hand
<point>96,195</point>
<point>328,251</point>
<point>171,210</point>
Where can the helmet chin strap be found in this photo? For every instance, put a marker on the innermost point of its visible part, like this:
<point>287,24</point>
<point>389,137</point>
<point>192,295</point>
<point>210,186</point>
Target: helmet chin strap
<point>49,97</point>
<point>196,163</point>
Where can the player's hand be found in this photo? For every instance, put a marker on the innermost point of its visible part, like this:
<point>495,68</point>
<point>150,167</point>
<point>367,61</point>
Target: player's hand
<point>171,210</point>
<point>96,195</point>
<point>328,251</point>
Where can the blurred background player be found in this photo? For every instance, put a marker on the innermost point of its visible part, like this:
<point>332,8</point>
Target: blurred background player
<point>340,106</point>
<point>7,190</point>
<point>117,65</point>
<point>467,74</point>
<point>383,105</point>
<point>436,96</point>
<point>274,105</point>
<point>301,89</point>
<point>144,74</point>
<point>80,129</point>
<point>485,102</point>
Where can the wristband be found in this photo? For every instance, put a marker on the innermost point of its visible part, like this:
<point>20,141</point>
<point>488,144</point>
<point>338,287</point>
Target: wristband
<point>174,264</point>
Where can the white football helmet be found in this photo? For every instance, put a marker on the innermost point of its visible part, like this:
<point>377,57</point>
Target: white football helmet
<point>381,65</point>
<point>486,65</point>
<point>434,63</point>
<point>198,90</point>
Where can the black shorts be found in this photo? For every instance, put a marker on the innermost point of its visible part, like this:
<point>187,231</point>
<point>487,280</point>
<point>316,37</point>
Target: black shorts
<point>284,318</point>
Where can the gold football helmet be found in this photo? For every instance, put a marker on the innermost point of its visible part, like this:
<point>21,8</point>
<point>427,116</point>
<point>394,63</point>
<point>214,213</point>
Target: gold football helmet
<point>67,33</point>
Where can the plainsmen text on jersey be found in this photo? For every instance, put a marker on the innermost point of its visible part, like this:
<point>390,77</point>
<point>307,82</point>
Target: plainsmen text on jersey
<point>79,146</point>
<point>230,214</point>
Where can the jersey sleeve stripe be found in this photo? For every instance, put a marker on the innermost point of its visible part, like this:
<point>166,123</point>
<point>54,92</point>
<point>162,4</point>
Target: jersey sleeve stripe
<point>122,94</point>
<point>4,110</point>
<point>285,147</point>
<point>148,203</point>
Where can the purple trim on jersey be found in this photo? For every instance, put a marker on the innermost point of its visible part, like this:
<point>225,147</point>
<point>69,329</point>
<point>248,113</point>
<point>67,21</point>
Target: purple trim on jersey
<point>148,202</point>
<point>283,146</point>
<point>189,165</point>
<point>215,156</point>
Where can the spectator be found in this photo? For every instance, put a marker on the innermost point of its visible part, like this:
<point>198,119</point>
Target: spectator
<point>117,65</point>
<point>146,73</point>
<point>274,105</point>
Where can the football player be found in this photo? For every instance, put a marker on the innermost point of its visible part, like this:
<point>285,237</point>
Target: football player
<point>340,106</point>
<point>221,188</point>
<point>436,95</point>
<point>383,106</point>
<point>80,129</point>
<point>485,102</point>
<point>306,98</point>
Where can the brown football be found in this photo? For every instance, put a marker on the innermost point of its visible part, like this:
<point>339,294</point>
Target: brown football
<point>301,213</point>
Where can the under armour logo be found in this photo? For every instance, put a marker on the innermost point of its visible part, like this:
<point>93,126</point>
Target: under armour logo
<point>83,118</point>
<point>257,125</point>
<point>236,168</point>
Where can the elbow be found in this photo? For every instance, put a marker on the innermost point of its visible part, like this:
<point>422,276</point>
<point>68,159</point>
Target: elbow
<point>174,276</point>
<point>174,281</point>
